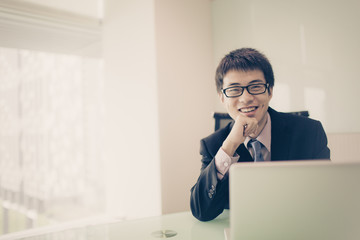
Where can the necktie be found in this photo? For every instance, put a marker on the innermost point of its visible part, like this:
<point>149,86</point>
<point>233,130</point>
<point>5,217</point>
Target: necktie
<point>256,146</point>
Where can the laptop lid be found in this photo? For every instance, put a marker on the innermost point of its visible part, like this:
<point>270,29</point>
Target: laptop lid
<point>295,200</point>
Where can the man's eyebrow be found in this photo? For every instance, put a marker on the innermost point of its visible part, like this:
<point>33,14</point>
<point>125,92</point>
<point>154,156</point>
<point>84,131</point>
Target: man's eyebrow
<point>251,82</point>
<point>256,81</point>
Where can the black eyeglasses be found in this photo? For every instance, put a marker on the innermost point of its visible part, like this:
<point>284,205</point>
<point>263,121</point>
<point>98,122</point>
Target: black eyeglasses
<point>253,89</point>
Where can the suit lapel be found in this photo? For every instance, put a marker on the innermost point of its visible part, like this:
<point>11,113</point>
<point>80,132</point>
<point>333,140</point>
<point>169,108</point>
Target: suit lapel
<point>280,137</point>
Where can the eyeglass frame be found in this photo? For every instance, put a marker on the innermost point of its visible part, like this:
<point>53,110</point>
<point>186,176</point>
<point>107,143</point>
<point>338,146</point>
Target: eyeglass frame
<point>267,85</point>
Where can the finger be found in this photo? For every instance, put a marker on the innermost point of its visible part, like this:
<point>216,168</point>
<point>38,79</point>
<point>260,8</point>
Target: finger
<point>244,130</point>
<point>251,129</point>
<point>254,134</point>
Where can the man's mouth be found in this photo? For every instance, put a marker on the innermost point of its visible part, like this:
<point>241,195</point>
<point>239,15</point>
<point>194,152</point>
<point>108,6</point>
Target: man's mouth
<point>247,109</point>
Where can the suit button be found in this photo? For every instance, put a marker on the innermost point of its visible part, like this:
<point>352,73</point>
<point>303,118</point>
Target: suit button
<point>210,195</point>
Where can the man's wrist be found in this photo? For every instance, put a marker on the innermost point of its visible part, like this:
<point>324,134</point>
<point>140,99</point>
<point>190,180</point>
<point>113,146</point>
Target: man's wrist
<point>223,162</point>
<point>229,148</point>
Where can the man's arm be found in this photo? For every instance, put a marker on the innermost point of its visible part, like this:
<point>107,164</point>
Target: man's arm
<point>321,151</point>
<point>209,196</point>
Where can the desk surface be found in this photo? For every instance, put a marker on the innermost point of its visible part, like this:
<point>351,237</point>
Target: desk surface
<point>183,224</point>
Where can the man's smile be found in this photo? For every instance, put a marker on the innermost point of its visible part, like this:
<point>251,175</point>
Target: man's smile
<point>247,109</point>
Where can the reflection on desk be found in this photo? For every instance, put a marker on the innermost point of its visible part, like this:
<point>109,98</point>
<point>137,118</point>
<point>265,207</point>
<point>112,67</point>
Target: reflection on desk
<point>177,226</point>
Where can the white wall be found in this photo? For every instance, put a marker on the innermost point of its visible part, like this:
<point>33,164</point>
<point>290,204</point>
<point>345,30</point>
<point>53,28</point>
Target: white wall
<point>131,118</point>
<point>313,46</point>
<point>186,91</point>
<point>159,97</point>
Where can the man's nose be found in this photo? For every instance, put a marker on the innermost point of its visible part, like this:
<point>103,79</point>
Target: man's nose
<point>246,97</point>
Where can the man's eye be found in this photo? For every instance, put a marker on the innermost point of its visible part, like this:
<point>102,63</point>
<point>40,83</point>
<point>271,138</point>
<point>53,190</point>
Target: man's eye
<point>234,90</point>
<point>256,87</point>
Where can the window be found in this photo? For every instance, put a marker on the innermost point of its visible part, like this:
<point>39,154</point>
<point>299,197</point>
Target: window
<point>50,116</point>
<point>50,137</point>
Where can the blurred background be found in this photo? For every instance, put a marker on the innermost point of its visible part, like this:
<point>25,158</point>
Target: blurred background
<point>103,102</point>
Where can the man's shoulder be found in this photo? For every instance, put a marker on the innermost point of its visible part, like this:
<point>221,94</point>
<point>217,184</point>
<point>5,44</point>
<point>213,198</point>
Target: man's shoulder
<point>292,120</point>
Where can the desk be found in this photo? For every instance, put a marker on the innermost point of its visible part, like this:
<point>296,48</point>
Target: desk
<point>184,224</point>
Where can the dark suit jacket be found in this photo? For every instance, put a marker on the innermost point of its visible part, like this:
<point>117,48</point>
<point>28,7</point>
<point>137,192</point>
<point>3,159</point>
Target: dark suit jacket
<point>292,138</point>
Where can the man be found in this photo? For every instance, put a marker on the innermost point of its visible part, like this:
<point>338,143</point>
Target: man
<point>245,80</point>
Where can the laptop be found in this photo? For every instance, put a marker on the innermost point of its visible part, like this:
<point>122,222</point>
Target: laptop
<point>294,200</point>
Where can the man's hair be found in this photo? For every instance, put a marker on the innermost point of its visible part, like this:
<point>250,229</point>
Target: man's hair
<point>243,59</point>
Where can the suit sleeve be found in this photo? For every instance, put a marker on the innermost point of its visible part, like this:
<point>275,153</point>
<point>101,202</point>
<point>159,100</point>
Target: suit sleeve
<point>321,151</point>
<point>209,195</point>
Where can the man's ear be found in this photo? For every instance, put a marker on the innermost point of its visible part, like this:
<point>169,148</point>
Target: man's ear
<point>221,97</point>
<point>270,90</point>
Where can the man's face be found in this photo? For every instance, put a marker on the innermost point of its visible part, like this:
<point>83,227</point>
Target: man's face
<point>247,105</point>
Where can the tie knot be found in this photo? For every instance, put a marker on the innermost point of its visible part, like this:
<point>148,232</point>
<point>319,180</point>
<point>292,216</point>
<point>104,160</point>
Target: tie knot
<point>255,144</point>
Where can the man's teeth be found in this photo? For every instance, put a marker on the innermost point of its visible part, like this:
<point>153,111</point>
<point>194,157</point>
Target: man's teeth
<point>246,110</point>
